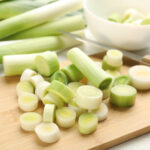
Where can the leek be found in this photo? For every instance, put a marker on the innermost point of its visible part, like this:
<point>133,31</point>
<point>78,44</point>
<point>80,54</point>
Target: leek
<point>37,45</point>
<point>37,16</point>
<point>97,76</point>
<point>68,24</point>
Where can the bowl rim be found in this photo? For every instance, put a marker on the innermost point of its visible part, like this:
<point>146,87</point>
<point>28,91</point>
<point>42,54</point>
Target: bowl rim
<point>85,7</point>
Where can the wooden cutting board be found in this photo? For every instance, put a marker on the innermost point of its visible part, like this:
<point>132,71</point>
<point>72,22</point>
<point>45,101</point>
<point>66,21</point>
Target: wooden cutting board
<point>121,124</point>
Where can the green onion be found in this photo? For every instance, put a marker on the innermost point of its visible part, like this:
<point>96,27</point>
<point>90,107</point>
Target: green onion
<point>123,95</point>
<point>73,73</point>
<point>97,76</point>
<point>123,79</point>
<point>37,45</point>
<point>47,64</point>
<point>37,16</point>
<point>87,123</point>
<point>65,117</point>
<point>68,24</point>
<point>60,76</point>
<point>61,90</point>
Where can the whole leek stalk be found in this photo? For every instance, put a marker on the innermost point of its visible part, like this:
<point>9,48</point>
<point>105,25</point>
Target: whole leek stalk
<point>15,7</point>
<point>68,24</point>
<point>37,45</point>
<point>37,16</point>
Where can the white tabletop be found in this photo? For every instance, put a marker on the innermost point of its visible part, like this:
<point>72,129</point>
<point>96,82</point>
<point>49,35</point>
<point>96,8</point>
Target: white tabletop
<point>138,143</point>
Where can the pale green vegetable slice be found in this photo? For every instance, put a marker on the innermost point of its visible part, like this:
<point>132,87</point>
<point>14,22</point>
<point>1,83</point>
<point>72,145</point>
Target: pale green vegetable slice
<point>48,132</point>
<point>123,95</point>
<point>115,17</point>
<point>52,28</point>
<point>47,64</point>
<point>41,89</point>
<point>53,98</point>
<point>72,72</point>
<point>123,79</point>
<point>61,90</point>
<point>140,77</point>
<point>114,57</point>
<point>60,76</point>
<point>113,73</point>
<point>65,117</point>
<point>30,120</point>
<point>87,123</point>
<point>24,87</point>
<point>35,80</point>
<point>146,21</point>
<point>101,112</point>
<point>27,74</point>
<point>74,86</point>
<point>88,97</point>
<point>97,76</point>
<point>37,16</point>
<point>49,113</point>
<point>28,102</point>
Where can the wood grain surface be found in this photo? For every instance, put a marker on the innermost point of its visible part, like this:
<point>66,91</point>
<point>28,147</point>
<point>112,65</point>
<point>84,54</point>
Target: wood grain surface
<point>121,124</point>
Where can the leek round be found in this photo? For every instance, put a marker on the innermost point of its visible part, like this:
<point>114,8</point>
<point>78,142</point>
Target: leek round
<point>47,132</point>
<point>30,120</point>
<point>35,80</point>
<point>74,86</point>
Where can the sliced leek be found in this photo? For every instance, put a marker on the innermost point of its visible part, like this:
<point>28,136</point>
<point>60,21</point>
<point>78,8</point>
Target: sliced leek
<point>73,73</point>
<point>123,79</point>
<point>61,90</point>
<point>47,64</point>
<point>97,76</point>
<point>24,87</point>
<point>87,123</point>
<point>123,95</point>
<point>47,132</point>
<point>28,102</point>
<point>49,113</point>
<point>35,80</point>
<point>115,17</point>
<point>102,112</point>
<point>27,74</point>
<point>74,86</point>
<point>52,98</point>
<point>140,77</point>
<point>113,73</point>
<point>60,76</point>
<point>65,117</point>
<point>30,120</point>
<point>41,89</point>
<point>88,97</point>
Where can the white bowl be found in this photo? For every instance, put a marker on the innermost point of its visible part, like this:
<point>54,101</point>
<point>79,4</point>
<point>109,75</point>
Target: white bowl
<point>122,36</point>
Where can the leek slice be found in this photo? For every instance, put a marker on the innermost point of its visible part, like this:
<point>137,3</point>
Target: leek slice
<point>87,123</point>
<point>102,112</point>
<point>65,117</point>
<point>88,97</point>
<point>115,17</point>
<point>123,79</point>
<point>47,132</point>
<point>113,73</point>
<point>74,86</point>
<point>97,76</point>
<point>73,73</point>
<point>60,76</point>
<point>24,87</point>
<point>61,90</point>
<point>52,98</point>
<point>27,74</point>
<point>49,113</point>
<point>123,95</point>
<point>47,64</point>
<point>41,89</point>
<point>35,80</point>
<point>28,102</point>
<point>30,120</point>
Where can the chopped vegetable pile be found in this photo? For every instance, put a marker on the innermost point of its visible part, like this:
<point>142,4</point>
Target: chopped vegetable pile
<point>131,16</point>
